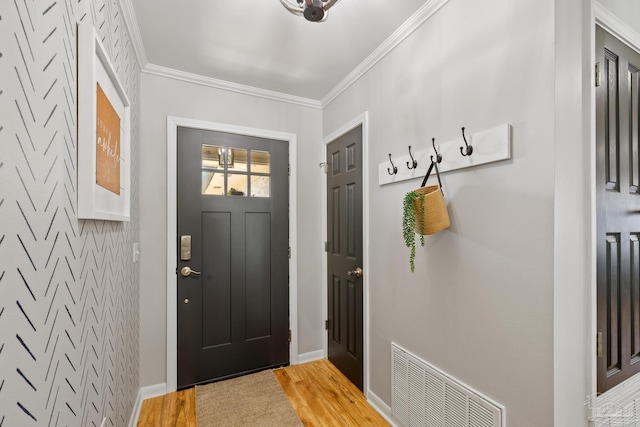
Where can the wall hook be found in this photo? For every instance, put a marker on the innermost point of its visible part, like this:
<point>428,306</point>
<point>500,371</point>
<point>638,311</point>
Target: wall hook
<point>468,149</point>
<point>438,155</point>
<point>414,162</point>
<point>393,167</point>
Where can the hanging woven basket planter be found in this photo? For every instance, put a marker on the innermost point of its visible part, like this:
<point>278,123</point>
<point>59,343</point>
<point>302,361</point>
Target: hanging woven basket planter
<point>424,212</point>
<point>431,214</point>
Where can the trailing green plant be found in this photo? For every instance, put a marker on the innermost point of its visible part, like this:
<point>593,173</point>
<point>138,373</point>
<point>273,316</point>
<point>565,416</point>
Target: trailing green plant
<point>409,223</point>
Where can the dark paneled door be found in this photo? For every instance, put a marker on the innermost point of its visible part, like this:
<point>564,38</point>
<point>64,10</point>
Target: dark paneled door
<point>618,211</point>
<point>233,290</point>
<point>344,228</point>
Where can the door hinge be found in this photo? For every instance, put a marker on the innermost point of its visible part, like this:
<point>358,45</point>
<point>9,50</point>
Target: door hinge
<point>289,169</point>
<point>599,344</point>
<point>326,246</point>
<point>597,74</point>
<point>326,325</point>
<point>289,336</point>
<point>289,252</point>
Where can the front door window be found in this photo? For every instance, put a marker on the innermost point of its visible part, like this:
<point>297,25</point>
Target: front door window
<point>230,171</point>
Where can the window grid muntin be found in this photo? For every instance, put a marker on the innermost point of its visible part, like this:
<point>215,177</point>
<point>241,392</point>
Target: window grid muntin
<point>208,166</point>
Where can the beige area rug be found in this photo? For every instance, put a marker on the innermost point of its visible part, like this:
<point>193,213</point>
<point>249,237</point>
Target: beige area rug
<point>253,400</point>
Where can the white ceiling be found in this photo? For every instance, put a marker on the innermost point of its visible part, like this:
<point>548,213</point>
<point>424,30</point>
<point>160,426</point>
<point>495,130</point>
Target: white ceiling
<point>258,43</point>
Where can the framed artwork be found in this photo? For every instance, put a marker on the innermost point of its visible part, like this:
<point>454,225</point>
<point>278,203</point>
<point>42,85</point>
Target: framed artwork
<point>104,134</point>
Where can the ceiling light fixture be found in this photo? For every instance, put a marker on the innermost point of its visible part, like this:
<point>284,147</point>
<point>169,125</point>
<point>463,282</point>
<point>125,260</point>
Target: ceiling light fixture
<point>312,10</point>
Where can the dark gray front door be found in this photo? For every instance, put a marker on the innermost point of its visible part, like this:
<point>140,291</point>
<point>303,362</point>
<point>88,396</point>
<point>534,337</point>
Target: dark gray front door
<point>618,211</point>
<point>345,290</point>
<point>233,317</point>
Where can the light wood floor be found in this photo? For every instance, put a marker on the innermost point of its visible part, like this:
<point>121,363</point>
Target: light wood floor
<point>318,391</point>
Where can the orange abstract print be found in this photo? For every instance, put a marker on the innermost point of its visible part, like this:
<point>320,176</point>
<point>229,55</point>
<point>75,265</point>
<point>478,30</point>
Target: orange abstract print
<point>107,144</point>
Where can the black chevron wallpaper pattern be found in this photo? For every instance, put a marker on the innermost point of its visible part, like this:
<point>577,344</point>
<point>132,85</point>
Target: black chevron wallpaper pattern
<point>69,291</point>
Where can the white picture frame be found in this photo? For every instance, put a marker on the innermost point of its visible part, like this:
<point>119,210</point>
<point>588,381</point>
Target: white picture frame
<point>102,147</point>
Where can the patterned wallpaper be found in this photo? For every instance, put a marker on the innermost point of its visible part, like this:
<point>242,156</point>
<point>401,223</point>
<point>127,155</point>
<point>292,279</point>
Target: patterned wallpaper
<point>69,291</point>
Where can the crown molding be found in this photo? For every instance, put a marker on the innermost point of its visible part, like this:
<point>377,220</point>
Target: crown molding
<point>131,22</point>
<point>425,12</point>
<point>228,86</point>
<point>605,18</point>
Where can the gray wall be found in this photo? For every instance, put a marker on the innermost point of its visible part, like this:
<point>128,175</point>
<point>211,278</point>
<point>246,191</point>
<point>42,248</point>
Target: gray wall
<point>480,303</point>
<point>69,302</point>
<point>162,97</point>
<point>574,367</point>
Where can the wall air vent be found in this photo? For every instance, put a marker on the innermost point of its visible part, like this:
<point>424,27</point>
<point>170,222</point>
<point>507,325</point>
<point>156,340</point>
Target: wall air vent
<point>422,395</point>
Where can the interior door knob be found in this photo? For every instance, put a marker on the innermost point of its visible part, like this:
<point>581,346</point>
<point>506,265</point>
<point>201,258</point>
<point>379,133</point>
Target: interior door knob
<point>186,272</point>
<point>357,272</point>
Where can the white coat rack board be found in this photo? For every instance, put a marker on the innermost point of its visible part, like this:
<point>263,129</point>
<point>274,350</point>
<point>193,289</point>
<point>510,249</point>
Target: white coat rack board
<point>490,145</point>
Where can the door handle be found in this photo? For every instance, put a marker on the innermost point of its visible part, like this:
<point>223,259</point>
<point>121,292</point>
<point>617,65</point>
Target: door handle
<point>357,272</point>
<point>186,272</point>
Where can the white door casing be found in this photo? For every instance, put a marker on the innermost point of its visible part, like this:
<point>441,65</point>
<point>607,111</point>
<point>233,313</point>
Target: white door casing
<point>172,126</point>
<point>362,119</point>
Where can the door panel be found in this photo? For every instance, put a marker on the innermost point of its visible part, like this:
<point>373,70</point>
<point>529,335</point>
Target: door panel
<point>345,292</point>
<point>233,318</point>
<point>617,211</point>
<point>258,227</point>
<point>216,320</point>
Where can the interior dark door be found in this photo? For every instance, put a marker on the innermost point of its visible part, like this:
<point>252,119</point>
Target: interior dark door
<point>233,290</point>
<point>618,211</point>
<point>345,290</point>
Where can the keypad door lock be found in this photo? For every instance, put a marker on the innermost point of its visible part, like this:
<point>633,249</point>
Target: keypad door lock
<point>185,248</point>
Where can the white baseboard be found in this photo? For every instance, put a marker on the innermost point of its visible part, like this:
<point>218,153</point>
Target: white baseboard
<point>382,408</point>
<point>311,356</point>
<point>145,393</point>
<point>135,414</point>
<point>153,391</point>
